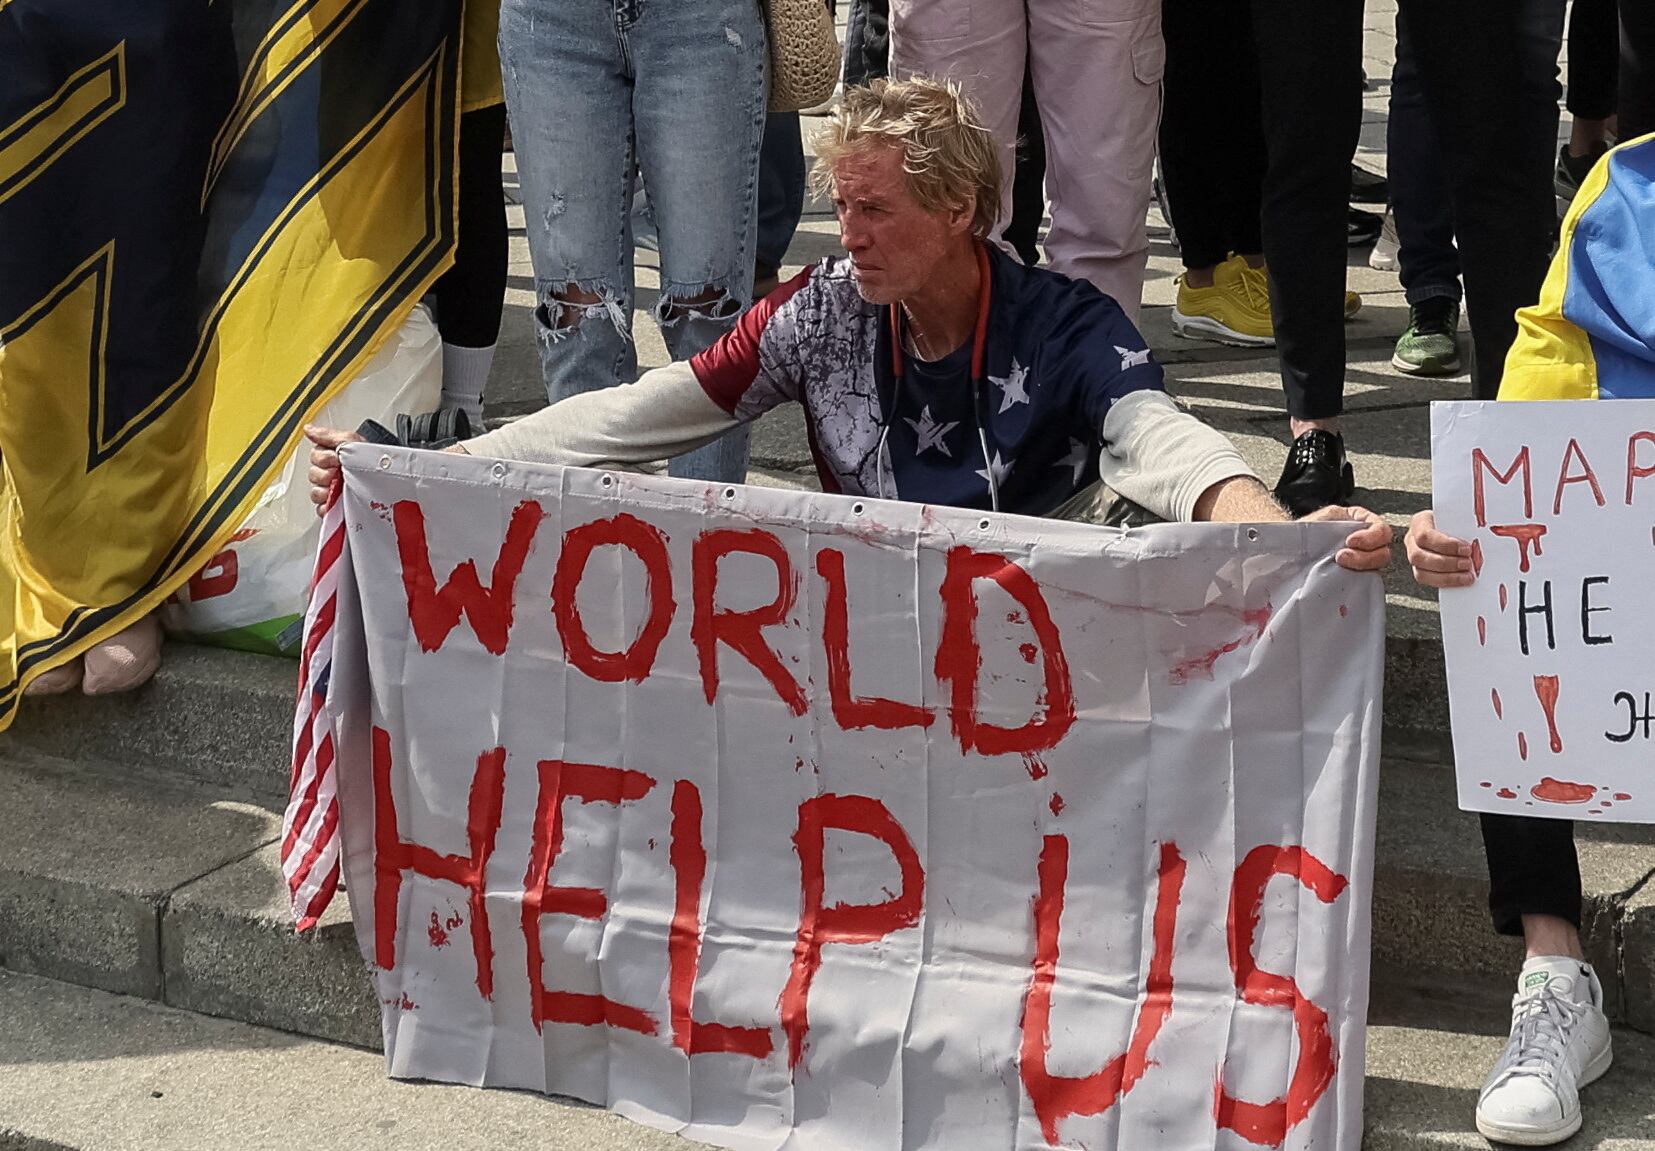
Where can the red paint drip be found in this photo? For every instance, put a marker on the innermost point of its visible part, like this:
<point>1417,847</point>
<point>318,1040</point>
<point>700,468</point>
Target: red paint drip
<point>1506,793</point>
<point>1477,557</point>
<point>1545,689</point>
<point>1562,791</point>
<point>1028,651</point>
<point>438,937</point>
<point>1056,804</point>
<point>1343,611</point>
<point>1505,596</point>
<point>1522,746</point>
<point>1482,631</point>
<point>1036,769</point>
<point>1494,694</point>
<point>1525,535</point>
<point>1485,783</point>
<point>1202,666</point>
<point>1015,617</point>
<point>1621,795</point>
<point>1607,803</point>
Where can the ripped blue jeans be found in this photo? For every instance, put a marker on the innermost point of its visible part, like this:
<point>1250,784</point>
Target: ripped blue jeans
<point>674,89</point>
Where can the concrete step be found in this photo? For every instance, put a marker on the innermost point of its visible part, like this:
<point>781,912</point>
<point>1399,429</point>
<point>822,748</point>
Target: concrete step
<point>131,881</point>
<point>84,1070</point>
<point>226,717</point>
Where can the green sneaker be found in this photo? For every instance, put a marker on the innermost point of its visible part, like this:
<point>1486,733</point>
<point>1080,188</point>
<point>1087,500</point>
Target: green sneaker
<point>1431,345</point>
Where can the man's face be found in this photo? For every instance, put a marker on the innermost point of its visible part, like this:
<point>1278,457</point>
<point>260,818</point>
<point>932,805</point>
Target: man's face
<point>893,241</point>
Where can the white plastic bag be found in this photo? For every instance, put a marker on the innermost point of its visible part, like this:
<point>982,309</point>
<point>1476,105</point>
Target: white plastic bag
<point>251,595</point>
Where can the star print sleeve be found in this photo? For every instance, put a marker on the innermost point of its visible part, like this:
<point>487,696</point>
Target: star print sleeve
<point>1158,455</point>
<point>755,365</point>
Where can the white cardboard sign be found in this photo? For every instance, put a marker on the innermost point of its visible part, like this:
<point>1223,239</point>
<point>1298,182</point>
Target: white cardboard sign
<point>1549,674</point>
<point>785,820</point>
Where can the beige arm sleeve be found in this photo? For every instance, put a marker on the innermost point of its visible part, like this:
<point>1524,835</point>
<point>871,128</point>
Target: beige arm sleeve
<point>664,414</point>
<point>1160,456</point>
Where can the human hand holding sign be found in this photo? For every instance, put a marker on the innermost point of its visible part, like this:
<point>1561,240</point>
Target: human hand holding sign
<point>324,459</point>
<point>1368,548</point>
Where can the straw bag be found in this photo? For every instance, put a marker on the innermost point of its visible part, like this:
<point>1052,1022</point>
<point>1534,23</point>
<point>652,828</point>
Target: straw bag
<point>804,54</point>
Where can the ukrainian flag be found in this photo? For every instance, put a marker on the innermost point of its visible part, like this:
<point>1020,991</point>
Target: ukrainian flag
<point>212,213</point>
<point>1592,335</point>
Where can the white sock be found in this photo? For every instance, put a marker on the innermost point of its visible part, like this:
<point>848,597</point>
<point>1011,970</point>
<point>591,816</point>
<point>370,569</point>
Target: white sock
<point>464,375</point>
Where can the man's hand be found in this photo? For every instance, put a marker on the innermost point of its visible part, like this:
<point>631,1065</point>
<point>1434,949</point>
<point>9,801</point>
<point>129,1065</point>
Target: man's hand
<point>1439,560</point>
<point>324,460</point>
<point>1368,548</point>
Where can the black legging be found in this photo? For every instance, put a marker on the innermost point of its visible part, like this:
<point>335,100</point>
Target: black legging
<point>472,292</point>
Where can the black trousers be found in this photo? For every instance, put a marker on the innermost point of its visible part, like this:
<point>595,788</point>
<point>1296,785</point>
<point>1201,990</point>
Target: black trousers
<point>1427,261</point>
<point>867,42</point>
<point>1533,869</point>
<point>1263,103</point>
<point>1637,69</point>
<point>1594,57</point>
<point>1028,180</point>
<point>471,294</point>
<point>1495,113</point>
<point>1211,144</point>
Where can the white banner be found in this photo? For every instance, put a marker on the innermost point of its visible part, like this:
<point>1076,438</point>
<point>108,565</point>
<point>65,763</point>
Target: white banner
<point>784,820</point>
<point>1548,652</point>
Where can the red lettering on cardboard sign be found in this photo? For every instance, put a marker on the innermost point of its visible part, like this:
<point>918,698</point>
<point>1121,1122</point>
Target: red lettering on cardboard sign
<point>394,855</point>
<point>959,658</point>
<point>843,922</point>
<point>1479,463</point>
<point>1267,1124</point>
<point>435,612</point>
<point>688,857</point>
<point>589,783</point>
<point>849,709</point>
<point>742,630</point>
<point>1056,1097</point>
<point>649,544</point>
<point>1585,476</point>
<point>1634,470</point>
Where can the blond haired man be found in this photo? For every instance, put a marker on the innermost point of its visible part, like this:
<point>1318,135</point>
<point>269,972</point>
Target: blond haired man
<point>931,366</point>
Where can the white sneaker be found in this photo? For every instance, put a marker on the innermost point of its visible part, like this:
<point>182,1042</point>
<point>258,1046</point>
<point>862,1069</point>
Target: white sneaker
<point>1385,249</point>
<point>1559,1043</point>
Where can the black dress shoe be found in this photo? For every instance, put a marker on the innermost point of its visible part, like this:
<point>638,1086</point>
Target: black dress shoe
<point>1317,473</point>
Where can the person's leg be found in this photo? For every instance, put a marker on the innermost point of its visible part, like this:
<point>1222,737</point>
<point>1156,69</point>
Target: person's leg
<point>1594,53</point>
<point>781,197</point>
<point>867,42</point>
<point>699,107</point>
<point>1310,72</point>
<point>1212,166</point>
<point>471,293</point>
<point>1423,211</point>
<point>1559,1036</point>
<point>982,44</point>
<point>1207,88</point>
<point>1637,69</point>
<point>1310,75</point>
<point>566,86</point>
<point>1087,57</point>
<point>1028,182</point>
<point>1496,118</point>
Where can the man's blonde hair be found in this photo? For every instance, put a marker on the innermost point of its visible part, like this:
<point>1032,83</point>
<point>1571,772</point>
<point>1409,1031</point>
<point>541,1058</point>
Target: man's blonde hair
<point>946,151</point>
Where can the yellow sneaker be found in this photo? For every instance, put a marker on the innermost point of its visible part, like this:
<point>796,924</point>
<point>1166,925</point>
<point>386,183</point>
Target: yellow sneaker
<point>1235,310</point>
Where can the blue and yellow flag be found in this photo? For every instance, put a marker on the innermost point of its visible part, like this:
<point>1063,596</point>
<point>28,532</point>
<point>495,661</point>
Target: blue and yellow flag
<point>212,212</point>
<point>1592,335</point>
